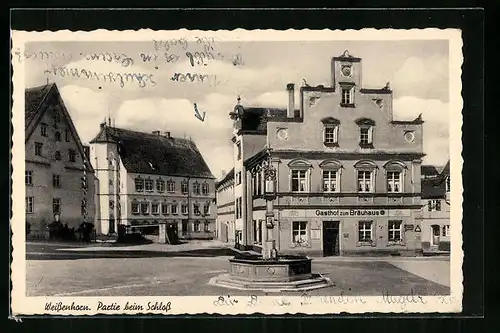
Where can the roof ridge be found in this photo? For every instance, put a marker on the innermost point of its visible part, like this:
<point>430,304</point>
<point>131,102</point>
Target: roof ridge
<point>150,134</point>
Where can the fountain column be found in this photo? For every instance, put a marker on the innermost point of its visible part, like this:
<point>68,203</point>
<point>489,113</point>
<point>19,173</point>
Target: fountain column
<point>269,247</point>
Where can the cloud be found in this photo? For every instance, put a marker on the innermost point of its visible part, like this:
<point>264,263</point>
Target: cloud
<point>435,114</point>
<point>423,77</point>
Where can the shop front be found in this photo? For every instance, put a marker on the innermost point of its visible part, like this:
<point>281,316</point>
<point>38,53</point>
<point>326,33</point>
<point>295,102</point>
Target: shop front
<point>356,231</point>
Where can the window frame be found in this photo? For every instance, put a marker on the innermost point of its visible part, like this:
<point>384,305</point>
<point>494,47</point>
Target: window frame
<point>43,129</point>
<point>174,208</point>
<point>165,208</point>
<point>38,149</point>
<point>139,180</point>
<point>446,230</point>
<point>196,209</point>
<point>28,177</point>
<point>394,230</point>
<point>170,186</point>
<point>72,155</point>
<point>434,205</point>
<point>184,209</point>
<point>205,189</point>
<point>153,210</point>
<point>57,136</point>
<point>146,204</point>
<point>299,232</point>
<point>184,187</point>
<point>66,135</point>
<point>146,182</point>
<point>134,203</point>
<point>56,180</point>
<point>364,240</point>
<point>160,185</point>
<point>58,201</point>
<point>349,99</point>
<point>30,205</point>
<point>196,226</point>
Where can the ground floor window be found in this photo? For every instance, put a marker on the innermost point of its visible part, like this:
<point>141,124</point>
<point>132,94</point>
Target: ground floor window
<point>135,207</point>
<point>197,226</point>
<point>206,227</point>
<point>29,204</point>
<point>446,230</point>
<point>56,206</point>
<point>155,208</point>
<point>394,229</point>
<point>164,209</point>
<point>299,232</point>
<point>365,231</point>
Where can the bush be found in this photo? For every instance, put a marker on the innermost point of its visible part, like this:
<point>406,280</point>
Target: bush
<point>58,231</point>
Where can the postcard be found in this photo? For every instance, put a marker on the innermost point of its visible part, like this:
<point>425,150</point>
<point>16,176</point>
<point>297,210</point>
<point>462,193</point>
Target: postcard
<point>236,172</point>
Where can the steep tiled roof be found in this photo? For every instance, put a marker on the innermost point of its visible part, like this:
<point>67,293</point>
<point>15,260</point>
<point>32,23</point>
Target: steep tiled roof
<point>255,118</point>
<point>33,98</point>
<point>429,170</point>
<point>433,189</point>
<point>156,154</point>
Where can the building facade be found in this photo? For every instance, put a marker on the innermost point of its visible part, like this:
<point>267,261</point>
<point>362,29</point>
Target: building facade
<point>149,179</point>
<point>225,225</point>
<point>348,174</point>
<point>56,163</point>
<point>436,211</point>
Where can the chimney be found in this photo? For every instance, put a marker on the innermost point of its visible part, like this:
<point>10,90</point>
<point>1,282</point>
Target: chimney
<point>291,100</point>
<point>103,125</point>
<point>166,134</point>
<point>156,132</point>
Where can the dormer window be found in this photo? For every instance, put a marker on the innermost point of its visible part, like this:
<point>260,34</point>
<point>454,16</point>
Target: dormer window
<point>330,131</point>
<point>365,132</point>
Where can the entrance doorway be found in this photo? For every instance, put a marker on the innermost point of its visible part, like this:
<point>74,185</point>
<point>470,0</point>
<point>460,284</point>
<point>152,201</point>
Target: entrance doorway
<point>331,241</point>
<point>435,235</point>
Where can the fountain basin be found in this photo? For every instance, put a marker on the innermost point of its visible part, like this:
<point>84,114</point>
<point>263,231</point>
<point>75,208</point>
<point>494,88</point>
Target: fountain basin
<point>287,272</point>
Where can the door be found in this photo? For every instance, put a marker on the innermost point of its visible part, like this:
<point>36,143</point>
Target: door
<point>224,234</point>
<point>435,235</point>
<point>184,228</point>
<point>111,225</point>
<point>331,244</point>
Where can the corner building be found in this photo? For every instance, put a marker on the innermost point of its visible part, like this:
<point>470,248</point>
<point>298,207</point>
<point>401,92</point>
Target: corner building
<point>348,174</point>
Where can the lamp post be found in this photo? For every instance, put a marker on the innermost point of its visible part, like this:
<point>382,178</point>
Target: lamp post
<point>269,246</point>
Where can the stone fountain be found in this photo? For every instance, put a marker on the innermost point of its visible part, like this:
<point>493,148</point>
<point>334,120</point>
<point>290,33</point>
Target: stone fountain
<point>270,272</point>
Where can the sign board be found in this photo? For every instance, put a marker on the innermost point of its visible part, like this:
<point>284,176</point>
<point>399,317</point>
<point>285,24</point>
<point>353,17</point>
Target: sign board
<point>345,213</point>
<point>315,234</point>
<point>417,229</point>
<point>409,227</point>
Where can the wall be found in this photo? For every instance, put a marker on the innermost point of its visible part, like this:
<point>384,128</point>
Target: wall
<point>439,218</point>
<point>225,211</point>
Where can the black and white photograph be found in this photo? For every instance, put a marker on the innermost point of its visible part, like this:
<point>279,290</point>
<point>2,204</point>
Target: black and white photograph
<point>184,172</point>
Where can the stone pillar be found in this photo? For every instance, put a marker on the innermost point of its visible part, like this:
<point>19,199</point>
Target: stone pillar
<point>162,232</point>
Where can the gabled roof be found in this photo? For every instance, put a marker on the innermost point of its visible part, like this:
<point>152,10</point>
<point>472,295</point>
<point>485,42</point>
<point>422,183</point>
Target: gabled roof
<point>155,154</point>
<point>33,99</point>
<point>37,100</point>
<point>433,189</point>
<point>429,170</point>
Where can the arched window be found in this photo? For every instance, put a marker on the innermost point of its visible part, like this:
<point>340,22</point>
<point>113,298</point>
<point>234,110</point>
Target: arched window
<point>366,172</point>
<point>145,207</point>
<point>135,207</point>
<point>331,171</point>
<point>330,131</point>
<point>365,132</point>
<point>160,185</point>
<point>139,184</point>
<point>300,174</point>
<point>395,172</point>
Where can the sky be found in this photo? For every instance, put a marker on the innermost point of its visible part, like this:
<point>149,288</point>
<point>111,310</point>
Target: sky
<point>257,71</point>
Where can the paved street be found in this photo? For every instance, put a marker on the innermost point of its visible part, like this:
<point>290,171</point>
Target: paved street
<point>186,269</point>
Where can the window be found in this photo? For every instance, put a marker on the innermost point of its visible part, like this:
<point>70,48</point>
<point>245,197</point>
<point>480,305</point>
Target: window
<point>448,184</point>
<point>171,186</point>
<point>72,155</point>
<point>365,132</point>
<point>111,205</point>
<point>365,231</point>
<point>196,208</point>
<point>330,181</point>
<point>139,185</point>
<point>135,207</point>
<point>238,178</point>
<point>145,208</point>
<point>238,150</point>
<point>237,209</point>
<point>148,185</point>
<point>347,97</point>
<point>174,209</point>
<point>204,189</point>
<point>56,206</point>
<point>331,134</point>
<point>393,181</point>
<point>206,208</point>
<point>155,208</point>
<point>58,155</point>
<point>28,177</point>
<point>160,185</point>
<point>184,187</point>
<point>394,229</point>
<point>196,188</point>
<point>184,209</point>
<point>364,135</point>
<point>434,205</point>
<point>29,204</point>
<point>56,180</point>
<point>57,136</point>
<point>257,183</point>
<point>446,230</point>
<point>299,232</point>
<point>299,181</point>
<point>66,135</point>
<point>196,226</point>
<point>38,148</point>
<point>57,117</point>
<point>365,181</point>
<point>43,129</point>
<point>206,227</point>
<point>164,208</point>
